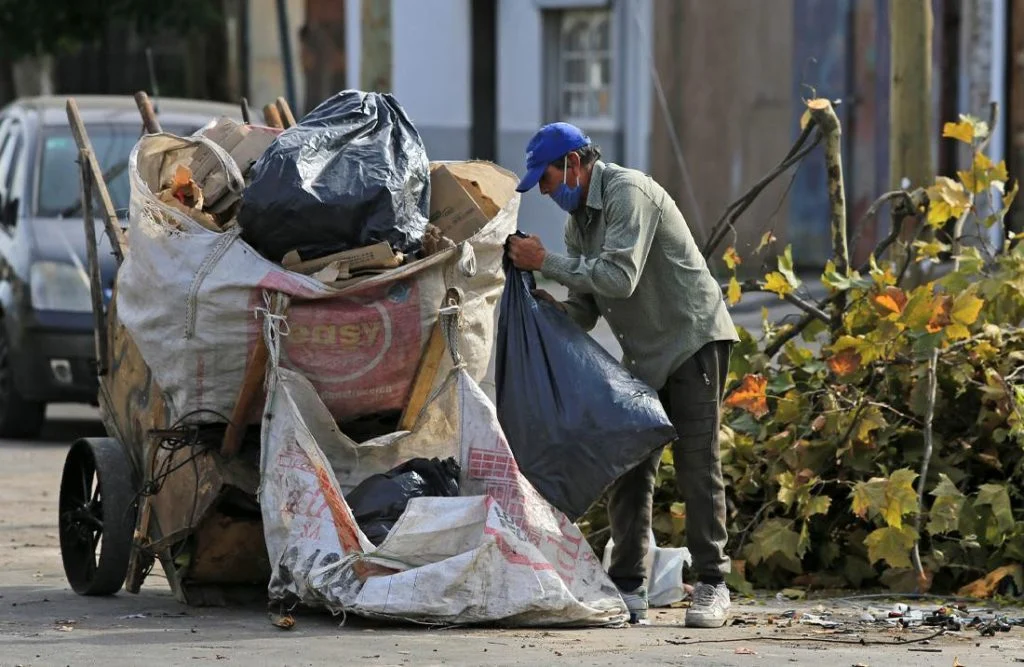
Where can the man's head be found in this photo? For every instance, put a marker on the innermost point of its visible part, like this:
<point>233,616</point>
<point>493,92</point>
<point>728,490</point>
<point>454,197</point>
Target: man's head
<point>559,159</point>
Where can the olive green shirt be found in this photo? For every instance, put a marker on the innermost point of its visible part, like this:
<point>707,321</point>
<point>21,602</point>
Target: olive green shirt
<point>632,259</point>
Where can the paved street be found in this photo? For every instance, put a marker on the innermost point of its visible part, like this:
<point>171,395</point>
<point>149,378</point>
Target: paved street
<point>42,622</point>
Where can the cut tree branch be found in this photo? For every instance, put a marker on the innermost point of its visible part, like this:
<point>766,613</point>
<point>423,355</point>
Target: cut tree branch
<point>736,209</point>
<point>824,116</point>
<point>910,205</point>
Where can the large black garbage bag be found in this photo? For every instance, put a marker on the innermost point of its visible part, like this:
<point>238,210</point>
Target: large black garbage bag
<point>353,172</point>
<point>379,500</point>
<point>575,419</point>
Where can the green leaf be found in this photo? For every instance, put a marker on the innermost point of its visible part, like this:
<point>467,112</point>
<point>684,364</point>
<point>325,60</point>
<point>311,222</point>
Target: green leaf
<point>869,498</point>
<point>773,537</point>
<point>788,409</point>
<point>786,267</point>
<point>892,545</point>
<point>996,497</point>
<point>817,505</point>
<point>780,383</point>
<point>891,498</point>
<point>944,516</point>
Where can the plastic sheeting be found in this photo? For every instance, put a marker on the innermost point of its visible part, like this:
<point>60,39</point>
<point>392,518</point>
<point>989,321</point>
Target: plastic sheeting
<point>351,173</point>
<point>575,418</point>
<point>499,554</point>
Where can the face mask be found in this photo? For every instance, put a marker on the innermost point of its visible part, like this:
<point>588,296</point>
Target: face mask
<point>568,199</point>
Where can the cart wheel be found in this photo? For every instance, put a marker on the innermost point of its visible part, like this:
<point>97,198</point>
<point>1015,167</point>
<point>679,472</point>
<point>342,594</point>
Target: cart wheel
<point>97,516</point>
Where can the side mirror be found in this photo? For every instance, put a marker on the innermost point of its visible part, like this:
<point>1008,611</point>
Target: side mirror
<point>8,212</point>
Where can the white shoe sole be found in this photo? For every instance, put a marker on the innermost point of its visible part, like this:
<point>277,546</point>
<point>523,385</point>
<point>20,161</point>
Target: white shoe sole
<point>705,622</point>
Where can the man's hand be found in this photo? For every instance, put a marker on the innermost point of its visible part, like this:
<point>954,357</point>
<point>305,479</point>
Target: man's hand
<point>543,295</point>
<point>527,254</point>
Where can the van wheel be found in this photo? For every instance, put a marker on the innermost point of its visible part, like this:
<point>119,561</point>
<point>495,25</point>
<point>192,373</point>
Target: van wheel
<point>19,418</point>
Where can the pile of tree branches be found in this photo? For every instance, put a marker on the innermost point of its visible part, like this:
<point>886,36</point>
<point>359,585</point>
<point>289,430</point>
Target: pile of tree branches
<point>879,439</point>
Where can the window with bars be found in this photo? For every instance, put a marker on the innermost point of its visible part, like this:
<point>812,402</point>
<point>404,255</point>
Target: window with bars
<point>583,51</point>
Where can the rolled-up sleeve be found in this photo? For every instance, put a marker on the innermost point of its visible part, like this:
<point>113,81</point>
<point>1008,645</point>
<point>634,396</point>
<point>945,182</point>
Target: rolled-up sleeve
<point>631,220</point>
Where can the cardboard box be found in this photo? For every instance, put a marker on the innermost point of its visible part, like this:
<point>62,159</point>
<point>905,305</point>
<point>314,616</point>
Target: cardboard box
<point>465,196</point>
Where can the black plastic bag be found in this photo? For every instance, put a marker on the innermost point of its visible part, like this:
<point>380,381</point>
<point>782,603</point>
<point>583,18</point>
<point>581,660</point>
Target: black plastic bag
<point>576,420</point>
<point>379,500</point>
<point>353,172</point>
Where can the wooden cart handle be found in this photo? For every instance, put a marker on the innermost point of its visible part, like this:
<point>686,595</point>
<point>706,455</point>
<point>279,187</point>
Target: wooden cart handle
<point>149,119</point>
<point>252,385</point>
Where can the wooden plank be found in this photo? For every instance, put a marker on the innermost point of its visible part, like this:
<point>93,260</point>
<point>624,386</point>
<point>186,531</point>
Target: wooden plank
<point>149,119</point>
<point>287,117</point>
<point>111,223</point>
<point>252,385</point>
<point>426,373</point>
<point>92,254</point>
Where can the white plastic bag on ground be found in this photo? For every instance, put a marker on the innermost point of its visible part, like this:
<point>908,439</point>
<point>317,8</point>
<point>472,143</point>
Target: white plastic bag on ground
<point>496,554</point>
<point>664,571</point>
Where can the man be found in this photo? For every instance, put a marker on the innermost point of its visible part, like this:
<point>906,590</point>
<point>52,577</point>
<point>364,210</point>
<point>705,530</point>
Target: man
<point>632,259</point>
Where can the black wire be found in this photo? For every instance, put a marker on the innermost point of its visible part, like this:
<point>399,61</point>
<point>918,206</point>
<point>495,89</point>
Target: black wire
<point>191,437</point>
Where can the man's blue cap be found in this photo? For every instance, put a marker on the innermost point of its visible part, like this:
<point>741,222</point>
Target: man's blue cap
<point>550,143</point>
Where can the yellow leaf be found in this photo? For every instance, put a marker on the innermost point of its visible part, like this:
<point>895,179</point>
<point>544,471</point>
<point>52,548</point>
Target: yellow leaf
<point>735,293</point>
<point>845,362</point>
<point>892,545</point>
<point>957,332</point>
<point>930,250</point>
<point>986,351</point>
<point>962,131</point>
<point>900,497</point>
<point>732,258</point>
<point>999,172</point>
<point>977,178</point>
<point>939,212</point>
<point>947,199</point>
<point>864,348</point>
<point>966,309</point>
<point>870,421</point>
<point>777,283</point>
<point>750,395</point>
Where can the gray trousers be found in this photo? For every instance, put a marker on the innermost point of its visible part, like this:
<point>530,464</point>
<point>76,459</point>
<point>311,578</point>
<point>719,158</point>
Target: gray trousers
<point>692,397</point>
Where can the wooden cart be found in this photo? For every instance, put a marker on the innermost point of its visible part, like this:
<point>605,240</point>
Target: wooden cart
<point>182,494</point>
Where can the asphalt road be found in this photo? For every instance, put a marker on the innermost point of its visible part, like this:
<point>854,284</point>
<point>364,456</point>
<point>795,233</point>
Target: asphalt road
<point>42,622</point>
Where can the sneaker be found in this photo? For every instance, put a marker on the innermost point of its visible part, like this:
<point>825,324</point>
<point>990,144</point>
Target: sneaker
<point>710,606</point>
<point>636,604</point>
